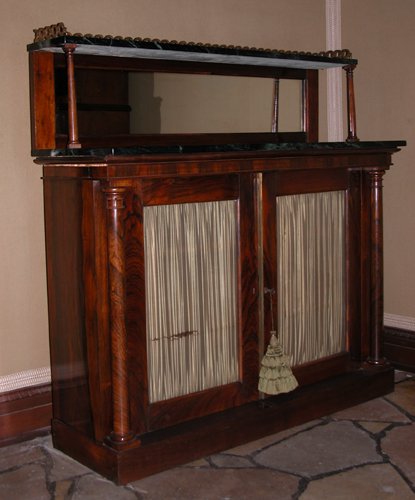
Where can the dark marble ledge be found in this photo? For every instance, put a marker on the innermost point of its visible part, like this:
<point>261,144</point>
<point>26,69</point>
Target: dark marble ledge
<point>157,152</point>
<point>222,148</point>
<point>164,49</point>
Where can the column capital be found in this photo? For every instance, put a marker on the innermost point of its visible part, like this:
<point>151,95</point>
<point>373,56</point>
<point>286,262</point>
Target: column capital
<point>115,197</point>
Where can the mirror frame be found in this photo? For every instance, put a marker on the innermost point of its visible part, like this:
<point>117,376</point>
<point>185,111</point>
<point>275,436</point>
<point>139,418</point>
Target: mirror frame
<point>45,138</point>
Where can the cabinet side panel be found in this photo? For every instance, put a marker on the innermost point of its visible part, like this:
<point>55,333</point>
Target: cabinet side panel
<point>63,224</point>
<point>42,100</point>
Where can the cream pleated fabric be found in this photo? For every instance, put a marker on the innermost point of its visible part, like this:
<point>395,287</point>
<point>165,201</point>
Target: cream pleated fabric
<point>311,269</point>
<point>191,266</point>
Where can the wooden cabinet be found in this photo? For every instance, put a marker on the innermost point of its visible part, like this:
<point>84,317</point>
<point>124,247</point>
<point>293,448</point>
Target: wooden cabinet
<point>102,233</point>
<point>171,258</point>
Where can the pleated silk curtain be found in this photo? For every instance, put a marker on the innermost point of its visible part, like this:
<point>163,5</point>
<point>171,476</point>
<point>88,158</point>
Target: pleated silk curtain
<point>311,274</point>
<point>191,266</point>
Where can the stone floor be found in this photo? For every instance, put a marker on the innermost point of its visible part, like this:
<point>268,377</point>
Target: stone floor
<point>363,453</point>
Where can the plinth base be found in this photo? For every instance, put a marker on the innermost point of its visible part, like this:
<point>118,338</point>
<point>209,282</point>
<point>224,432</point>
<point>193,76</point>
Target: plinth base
<point>161,450</point>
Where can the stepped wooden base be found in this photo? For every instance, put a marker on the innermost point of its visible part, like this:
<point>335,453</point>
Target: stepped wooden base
<point>161,450</point>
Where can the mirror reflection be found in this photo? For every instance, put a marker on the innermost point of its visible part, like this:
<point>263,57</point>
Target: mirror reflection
<point>112,102</point>
<point>168,103</point>
<point>290,106</point>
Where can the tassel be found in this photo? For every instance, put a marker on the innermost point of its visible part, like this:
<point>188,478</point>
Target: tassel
<point>275,375</point>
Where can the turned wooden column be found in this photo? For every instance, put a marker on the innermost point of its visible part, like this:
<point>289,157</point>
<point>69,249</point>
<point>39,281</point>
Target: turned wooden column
<point>121,431</point>
<point>376,267</point>
<point>73,139</point>
<point>351,107</point>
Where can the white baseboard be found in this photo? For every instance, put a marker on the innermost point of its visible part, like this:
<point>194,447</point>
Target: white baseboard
<point>403,322</point>
<point>27,378</point>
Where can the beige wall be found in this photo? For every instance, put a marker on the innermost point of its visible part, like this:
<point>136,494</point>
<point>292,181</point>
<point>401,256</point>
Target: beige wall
<point>381,34</point>
<point>284,24</point>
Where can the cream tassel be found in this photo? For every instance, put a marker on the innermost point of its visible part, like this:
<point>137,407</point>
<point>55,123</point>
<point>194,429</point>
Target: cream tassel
<point>275,376</point>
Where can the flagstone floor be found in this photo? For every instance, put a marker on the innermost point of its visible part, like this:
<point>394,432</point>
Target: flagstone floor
<point>364,453</point>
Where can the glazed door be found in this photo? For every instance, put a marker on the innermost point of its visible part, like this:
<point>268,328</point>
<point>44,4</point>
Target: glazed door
<point>199,319</point>
<point>307,265</point>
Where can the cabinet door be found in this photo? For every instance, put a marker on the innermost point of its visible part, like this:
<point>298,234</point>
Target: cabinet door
<point>305,263</point>
<point>199,319</point>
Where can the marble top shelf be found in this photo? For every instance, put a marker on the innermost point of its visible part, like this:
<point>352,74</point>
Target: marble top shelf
<point>97,45</point>
<point>253,149</point>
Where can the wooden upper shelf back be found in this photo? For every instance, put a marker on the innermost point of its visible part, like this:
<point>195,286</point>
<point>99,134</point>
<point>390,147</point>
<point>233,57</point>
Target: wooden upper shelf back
<point>54,102</point>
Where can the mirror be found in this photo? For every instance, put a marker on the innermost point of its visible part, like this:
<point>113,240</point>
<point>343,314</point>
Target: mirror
<point>168,103</point>
<point>290,106</point>
<point>115,102</point>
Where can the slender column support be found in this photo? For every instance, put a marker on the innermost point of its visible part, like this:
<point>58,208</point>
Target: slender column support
<point>73,139</point>
<point>351,107</point>
<point>376,268</point>
<point>121,432</point>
